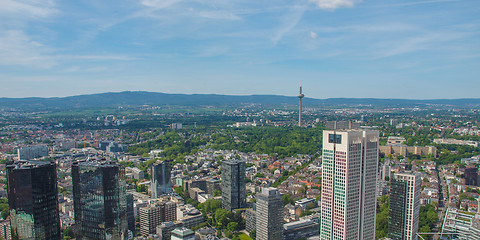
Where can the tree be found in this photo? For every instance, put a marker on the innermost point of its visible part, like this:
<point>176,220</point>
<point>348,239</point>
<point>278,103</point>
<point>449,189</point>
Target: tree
<point>287,199</point>
<point>253,234</point>
<point>67,234</point>
<point>232,226</point>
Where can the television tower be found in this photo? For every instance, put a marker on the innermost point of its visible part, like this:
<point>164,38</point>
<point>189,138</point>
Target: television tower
<point>300,96</point>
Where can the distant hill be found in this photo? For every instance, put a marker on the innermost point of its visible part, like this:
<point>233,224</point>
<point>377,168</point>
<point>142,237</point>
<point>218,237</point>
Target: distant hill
<point>139,98</point>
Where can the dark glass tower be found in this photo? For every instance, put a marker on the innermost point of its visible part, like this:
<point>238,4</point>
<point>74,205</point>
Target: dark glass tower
<point>471,176</point>
<point>33,200</point>
<point>396,214</point>
<point>161,178</point>
<point>404,209</point>
<point>99,198</point>
<point>234,193</point>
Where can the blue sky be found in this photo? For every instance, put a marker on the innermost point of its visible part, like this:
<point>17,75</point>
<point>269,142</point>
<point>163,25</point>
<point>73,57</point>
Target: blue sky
<point>418,49</point>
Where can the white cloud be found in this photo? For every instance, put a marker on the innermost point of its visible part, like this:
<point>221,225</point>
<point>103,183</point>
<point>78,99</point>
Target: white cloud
<point>17,48</point>
<point>334,4</point>
<point>159,3</point>
<point>219,15</point>
<point>96,57</point>
<point>313,35</point>
<point>28,8</point>
<point>288,22</point>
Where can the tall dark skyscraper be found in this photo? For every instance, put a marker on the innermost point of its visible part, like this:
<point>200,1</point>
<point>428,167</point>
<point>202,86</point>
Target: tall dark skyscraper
<point>234,192</point>
<point>33,200</point>
<point>161,179</point>
<point>99,198</point>
<point>403,215</point>
<point>471,176</point>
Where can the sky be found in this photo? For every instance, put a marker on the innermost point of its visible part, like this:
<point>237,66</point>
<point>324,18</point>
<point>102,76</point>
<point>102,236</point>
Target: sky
<point>416,49</point>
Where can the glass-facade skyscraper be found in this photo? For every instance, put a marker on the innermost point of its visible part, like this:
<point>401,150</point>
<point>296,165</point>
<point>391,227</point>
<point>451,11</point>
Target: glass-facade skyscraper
<point>404,212</point>
<point>33,200</point>
<point>161,179</point>
<point>234,192</point>
<point>99,198</point>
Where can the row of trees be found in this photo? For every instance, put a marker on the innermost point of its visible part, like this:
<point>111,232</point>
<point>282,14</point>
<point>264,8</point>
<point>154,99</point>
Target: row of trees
<point>284,142</point>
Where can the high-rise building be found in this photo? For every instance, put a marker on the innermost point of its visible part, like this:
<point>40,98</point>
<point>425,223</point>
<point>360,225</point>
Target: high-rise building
<point>161,179</point>
<point>100,202</point>
<point>404,209</point>
<point>130,213</point>
<point>269,215</point>
<point>154,215</point>
<point>348,202</point>
<point>33,200</point>
<point>471,176</point>
<point>234,190</point>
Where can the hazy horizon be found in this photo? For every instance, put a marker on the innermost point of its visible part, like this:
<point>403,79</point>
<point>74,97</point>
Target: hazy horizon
<point>422,49</point>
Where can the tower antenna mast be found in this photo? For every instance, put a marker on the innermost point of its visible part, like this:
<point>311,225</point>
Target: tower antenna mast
<point>300,96</point>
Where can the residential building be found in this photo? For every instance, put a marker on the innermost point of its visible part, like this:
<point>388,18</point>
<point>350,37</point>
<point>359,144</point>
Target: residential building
<point>5,229</point>
<point>302,229</point>
<point>392,140</point>
<point>161,179</point>
<point>403,150</point>
<point>33,200</point>
<point>234,191</point>
<point>153,215</point>
<point>461,225</point>
<point>183,234</point>
<point>100,202</point>
<point>404,206</point>
<point>31,152</point>
<point>348,202</point>
<point>164,230</point>
<point>269,213</point>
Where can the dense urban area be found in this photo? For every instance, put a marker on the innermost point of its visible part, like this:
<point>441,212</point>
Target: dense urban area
<point>228,172</point>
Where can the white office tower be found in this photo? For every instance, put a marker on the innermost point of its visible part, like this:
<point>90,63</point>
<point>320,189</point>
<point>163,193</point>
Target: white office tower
<point>348,205</point>
<point>269,215</point>
<point>404,206</point>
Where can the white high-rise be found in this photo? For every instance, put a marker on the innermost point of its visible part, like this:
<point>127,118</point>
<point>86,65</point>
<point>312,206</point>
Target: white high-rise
<point>348,205</point>
<point>269,215</point>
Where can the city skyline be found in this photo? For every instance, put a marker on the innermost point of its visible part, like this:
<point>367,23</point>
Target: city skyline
<point>381,49</point>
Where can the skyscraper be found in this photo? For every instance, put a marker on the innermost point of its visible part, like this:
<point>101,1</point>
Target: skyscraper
<point>99,199</point>
<point>130,213</point>
<point>348,205</point>
<point>234,191</point>
<point>269,215</point>
<point>33,199</point>
<point>471,176</point>
<point>161,178</point>
<point>404,206</point>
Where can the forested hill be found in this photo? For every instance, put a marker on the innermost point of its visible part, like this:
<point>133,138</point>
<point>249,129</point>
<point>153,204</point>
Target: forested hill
<point>140,98</point>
